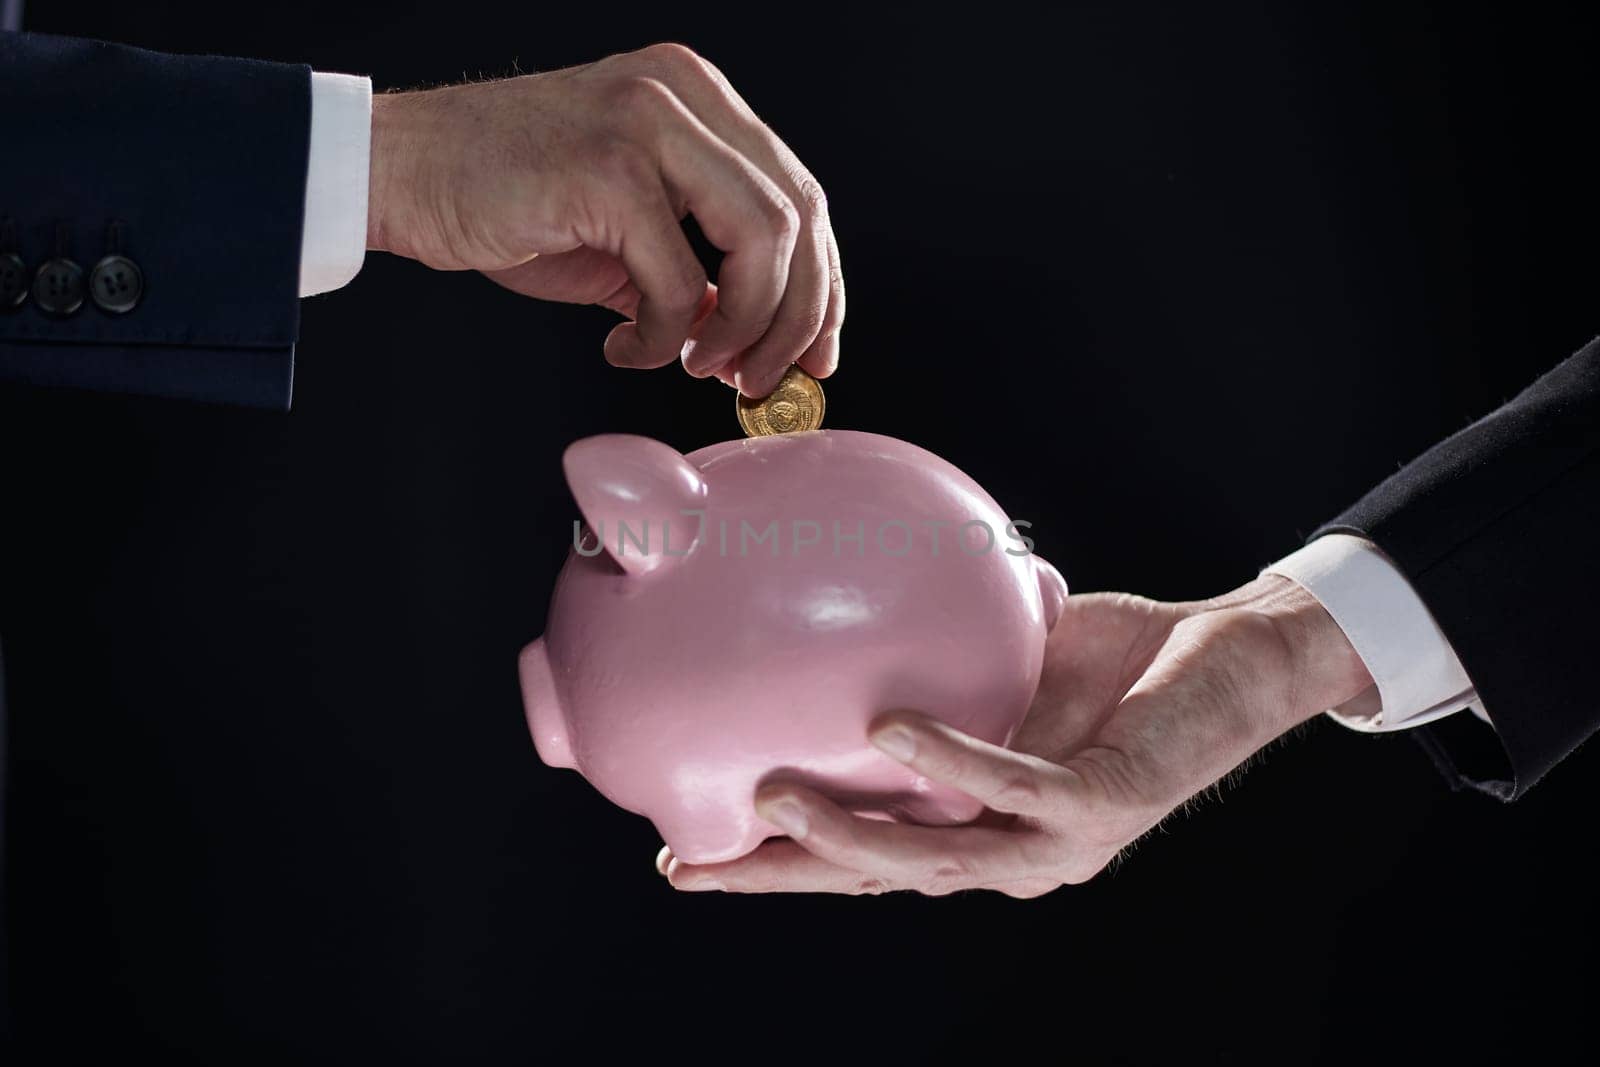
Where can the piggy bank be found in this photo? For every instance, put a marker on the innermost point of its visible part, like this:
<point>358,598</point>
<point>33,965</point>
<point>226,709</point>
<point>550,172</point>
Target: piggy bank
<point>747,610</point>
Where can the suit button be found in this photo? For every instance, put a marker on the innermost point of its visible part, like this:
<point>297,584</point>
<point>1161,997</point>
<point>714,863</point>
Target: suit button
<point>58,287</point>
<point>116,284</point>
<point>13,281</point>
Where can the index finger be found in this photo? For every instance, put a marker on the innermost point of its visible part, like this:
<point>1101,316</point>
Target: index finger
<point>1006,781</point>
<point>744,213</point>
<point>711,96</point>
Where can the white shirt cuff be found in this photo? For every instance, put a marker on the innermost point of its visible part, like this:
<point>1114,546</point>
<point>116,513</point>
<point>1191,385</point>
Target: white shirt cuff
<point>334,241</point>
<point>1418,676</point>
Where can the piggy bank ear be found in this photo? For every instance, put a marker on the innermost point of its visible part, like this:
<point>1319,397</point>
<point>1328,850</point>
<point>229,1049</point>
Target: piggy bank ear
<point>634,493</point>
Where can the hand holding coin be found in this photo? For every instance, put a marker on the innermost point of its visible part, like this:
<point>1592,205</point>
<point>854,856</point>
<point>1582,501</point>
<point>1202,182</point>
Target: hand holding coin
<point>796,404</point>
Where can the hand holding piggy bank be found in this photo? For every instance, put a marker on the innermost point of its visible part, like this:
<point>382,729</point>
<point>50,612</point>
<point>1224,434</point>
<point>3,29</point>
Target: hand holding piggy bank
<point>745,611</point>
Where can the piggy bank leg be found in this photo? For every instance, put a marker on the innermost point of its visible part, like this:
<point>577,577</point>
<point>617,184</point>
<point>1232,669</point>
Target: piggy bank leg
<point>542,704</point>
<point>939,805</point>
<point>698,843</point>
<point>1052,591</point>
<point>715,826</point>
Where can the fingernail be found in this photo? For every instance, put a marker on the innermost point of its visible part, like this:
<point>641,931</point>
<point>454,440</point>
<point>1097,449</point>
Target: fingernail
<point>753,387</point>
<point>896,742</point>
<point>787,816</point>
<point>686,355</point>
<point>833,364</point>
<point>621,345</point>
<point>663,859</point>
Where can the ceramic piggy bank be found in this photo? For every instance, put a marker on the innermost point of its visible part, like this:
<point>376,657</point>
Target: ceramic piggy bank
<point>747,610</point>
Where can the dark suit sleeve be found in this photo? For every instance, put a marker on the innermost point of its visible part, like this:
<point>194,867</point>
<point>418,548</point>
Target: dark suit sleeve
<point>1496,528</point>
<point>202,164</point>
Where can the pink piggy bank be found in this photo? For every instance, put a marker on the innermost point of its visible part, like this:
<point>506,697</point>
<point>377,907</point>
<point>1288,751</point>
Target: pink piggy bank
<point>746,611</point>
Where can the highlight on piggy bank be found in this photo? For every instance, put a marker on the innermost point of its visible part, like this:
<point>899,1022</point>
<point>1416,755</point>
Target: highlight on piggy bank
<point>745,611</point>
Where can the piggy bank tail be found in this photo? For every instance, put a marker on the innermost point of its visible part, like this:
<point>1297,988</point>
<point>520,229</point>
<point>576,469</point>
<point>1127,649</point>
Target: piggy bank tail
<point>1052,591</point>
<point>546,720</point>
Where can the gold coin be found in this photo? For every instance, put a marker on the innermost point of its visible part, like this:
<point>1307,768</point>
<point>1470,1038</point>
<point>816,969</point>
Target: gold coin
<point>796,404</point>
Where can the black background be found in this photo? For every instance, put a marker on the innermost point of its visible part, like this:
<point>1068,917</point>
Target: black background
<point>1175,283</point>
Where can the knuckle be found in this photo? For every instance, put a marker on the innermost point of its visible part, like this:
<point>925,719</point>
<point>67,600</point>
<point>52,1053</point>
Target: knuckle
<point>836,283</point>
<point>836,299</point>
<point>809,197</point>
<point>637,96</point>
<point>682,65</point>
<point>673,56</point>
<point>781,218</point>
<point>952,874</point>
<point>871,887</point>
<point>793,330</point>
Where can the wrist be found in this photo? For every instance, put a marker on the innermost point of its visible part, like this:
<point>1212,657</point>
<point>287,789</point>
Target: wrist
<point>1317,664</point>
<point>388,139</point>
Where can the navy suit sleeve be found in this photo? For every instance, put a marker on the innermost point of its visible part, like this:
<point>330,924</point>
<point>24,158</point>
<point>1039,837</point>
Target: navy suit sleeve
<point>1495,528</point>
<point>200,163</point>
